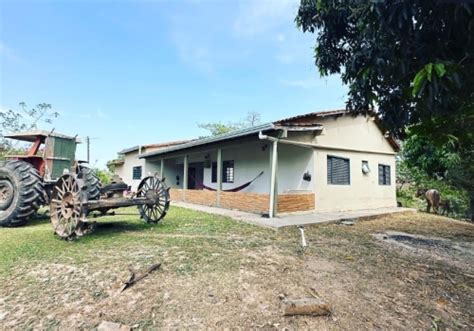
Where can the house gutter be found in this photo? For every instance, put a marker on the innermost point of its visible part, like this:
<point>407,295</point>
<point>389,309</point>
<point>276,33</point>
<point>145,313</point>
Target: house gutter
<point>274,163</point>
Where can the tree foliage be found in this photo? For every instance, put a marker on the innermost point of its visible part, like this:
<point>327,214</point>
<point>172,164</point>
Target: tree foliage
<point>24,119</point>
<point>105,175</point>
<point>216,128</point>
<point>411,61</point>
<point>436,162</point>
<point>423,165</point>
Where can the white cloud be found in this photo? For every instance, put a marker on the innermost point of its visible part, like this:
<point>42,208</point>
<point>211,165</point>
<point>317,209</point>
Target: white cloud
<point>303,83</point>
<point>261,16</point>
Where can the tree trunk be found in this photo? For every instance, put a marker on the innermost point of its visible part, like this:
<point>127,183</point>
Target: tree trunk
<point>471,202</point>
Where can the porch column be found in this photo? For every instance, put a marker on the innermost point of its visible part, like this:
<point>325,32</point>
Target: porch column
<point>161,168</point>
<point>185,176</point>
<point>219,176</point>
<point>273,180</point>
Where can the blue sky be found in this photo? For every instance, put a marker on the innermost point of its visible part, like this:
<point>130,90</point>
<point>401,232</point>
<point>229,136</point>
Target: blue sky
<point>137,72</point>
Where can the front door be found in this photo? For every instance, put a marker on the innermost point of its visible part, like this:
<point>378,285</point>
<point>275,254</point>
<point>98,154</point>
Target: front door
<point>191,178</point>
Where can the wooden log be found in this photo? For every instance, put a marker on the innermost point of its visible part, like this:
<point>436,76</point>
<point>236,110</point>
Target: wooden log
<point>306,306</point>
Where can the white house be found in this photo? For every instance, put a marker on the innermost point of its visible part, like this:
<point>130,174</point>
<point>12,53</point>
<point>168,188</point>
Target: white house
<point>324,161</point>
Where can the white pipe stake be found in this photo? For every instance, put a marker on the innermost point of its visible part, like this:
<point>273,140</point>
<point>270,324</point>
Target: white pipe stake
<point>303,239</point>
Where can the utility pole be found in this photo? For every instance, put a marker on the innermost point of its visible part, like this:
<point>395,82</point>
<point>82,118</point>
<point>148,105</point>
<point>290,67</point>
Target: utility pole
<point>88,146</point>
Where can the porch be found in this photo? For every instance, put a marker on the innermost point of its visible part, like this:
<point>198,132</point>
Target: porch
<point>243,176</point>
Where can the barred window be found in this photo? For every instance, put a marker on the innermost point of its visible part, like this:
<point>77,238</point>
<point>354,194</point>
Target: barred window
<point>384,174</point>
<point>228,172</point>
<point>338,171</point>
<point>214,172</point>
<point>137,172</point>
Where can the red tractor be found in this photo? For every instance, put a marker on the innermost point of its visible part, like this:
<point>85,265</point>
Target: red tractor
<point>27,181</point>
<point>49,174</point>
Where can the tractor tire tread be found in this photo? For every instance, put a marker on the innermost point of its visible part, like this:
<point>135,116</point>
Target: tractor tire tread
<point>30,193</point>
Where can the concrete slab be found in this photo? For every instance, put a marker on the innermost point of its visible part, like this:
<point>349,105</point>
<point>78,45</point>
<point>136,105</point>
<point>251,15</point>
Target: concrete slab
<point>333,217</point>
<point>294,220</point>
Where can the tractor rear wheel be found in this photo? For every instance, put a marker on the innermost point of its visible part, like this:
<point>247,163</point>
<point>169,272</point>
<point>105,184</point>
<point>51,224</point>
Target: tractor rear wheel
<point>21,193</point>
<point>91,182</point>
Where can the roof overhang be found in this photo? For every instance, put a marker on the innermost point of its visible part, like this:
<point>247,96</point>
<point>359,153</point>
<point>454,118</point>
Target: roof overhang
<point>129,150</point>
<point>31,136</point>
<point>210,140</point>
<point>306,122</point>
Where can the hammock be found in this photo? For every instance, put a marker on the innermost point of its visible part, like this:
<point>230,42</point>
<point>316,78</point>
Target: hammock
<point>235,189</point>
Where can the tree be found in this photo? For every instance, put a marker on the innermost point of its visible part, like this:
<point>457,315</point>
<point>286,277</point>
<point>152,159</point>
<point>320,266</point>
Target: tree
<point>25,119</point>
<point>411,61</point>
<point>422,165</point>
<point>436,162</point>
<point>104,175</point>
<point>216,128</point>
<point>253,118</point>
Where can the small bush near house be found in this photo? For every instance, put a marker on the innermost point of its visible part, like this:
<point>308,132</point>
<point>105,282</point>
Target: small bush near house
<point>411,178</point>
<point>458,199</point>
<point>105,176</point>
<point>427,166</point>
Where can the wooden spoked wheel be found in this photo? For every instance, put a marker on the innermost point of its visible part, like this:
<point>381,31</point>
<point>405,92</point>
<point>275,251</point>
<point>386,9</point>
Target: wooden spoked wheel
<point>152,188</point>
<point>65,206</point>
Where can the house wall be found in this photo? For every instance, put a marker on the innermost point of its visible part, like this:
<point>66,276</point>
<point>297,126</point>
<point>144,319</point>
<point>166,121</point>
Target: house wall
<point>293,162</point>
<point>249,202</point>
<point>125,171</point>
<point>119,170</point>
<point>249,160</point>
<point>173,172</point>
<point>356,133</point>
<point>295,202</point>
<point>364,191</point>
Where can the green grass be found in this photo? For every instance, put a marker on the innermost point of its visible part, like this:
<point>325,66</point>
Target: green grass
<point>197,234</point>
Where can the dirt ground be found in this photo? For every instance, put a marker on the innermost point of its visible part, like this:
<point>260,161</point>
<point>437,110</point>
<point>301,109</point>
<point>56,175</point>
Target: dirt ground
<point>406,271</point>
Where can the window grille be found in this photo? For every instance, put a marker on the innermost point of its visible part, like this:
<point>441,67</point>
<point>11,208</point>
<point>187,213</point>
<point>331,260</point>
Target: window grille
<point>338,171</point>
<point>384,174</point>
<point>137,172</point>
